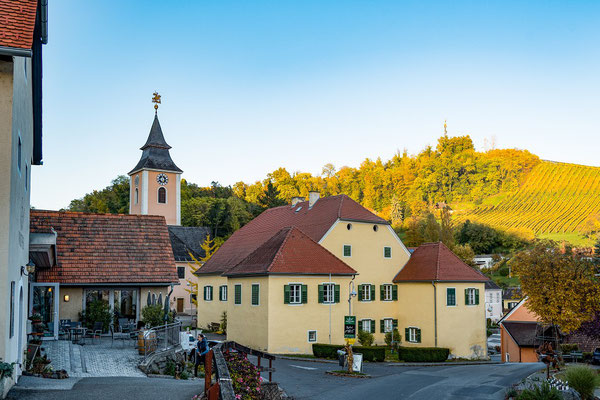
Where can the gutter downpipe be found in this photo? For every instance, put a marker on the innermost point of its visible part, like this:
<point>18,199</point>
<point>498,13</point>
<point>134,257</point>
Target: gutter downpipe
<point>330,312</point>
<point>435,312</point>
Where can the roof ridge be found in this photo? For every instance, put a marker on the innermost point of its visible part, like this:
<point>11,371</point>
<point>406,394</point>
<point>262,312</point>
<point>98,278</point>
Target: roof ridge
<point>110,215</point>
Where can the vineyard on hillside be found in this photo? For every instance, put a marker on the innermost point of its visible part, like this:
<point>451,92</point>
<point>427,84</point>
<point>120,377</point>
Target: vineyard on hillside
<point>555,198</point>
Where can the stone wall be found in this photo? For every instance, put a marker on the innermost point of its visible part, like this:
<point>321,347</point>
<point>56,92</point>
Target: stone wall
<point>156,363</point>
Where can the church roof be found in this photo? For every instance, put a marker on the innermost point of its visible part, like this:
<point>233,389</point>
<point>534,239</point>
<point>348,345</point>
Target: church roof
<point>186,240</point>
<point>155,153</point>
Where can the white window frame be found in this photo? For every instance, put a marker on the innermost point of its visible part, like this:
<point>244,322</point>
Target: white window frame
<point>331,287</point>
<point>308,336</point>
<point>208,294</point>
<point>366,287</point>
<point>344,252</point>
<point>387,290</point>
<point>241,299</point>
<point>299,286</point>
<point>470,296</point>
<point>166,195</point>
<point>387,247</point>
<point>178,269</point>
<point>221,292</point>
<point>385,324</point>
<point>412,334</point>
<point>362,324</point>
<point>251,290</point>
<point>455,302</point>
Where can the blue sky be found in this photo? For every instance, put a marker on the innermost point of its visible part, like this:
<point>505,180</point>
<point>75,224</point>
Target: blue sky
<point>248,87</point>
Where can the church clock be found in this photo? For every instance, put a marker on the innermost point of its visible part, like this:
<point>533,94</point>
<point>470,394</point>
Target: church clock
<point>162,179</point>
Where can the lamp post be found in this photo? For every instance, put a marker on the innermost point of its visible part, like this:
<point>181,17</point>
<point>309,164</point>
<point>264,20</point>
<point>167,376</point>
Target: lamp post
<point>351,293</point>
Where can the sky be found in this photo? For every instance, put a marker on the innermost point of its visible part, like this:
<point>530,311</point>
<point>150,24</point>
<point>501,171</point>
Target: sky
<point>251,86</point>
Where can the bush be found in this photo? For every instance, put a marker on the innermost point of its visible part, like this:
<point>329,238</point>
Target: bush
<point>170,368</point>
<point>365,338</point>
<point>542,392</point>
<point>97,311</point>
<point>370,353</point>
<point>224,322</point>
<point>569,347</point>
<point>397,338</point>
<point>423,354</point>
<point>504,271</point>
<point>154,315</point>
<point>583,379</point>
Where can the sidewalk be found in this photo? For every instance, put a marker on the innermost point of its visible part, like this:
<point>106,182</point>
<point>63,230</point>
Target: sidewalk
<point>397,363</point>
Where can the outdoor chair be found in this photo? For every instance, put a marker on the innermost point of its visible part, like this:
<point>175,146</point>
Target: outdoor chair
<point>117,335</point>
<point>63,328</point>
<point>97,331</point>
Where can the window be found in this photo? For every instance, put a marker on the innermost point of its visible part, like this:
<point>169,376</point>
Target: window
<point>12,309</point>
<point>349,226</point>
<point>387,324</point>
<point>137,197</point>
<point>238,294</point>
<point>295,293</point>
<point>471,296</point>
<point>366,292</point>
<point>375,228</point>
<point>181,272</point>
<point>329,293</point>
<point>413,335</point>
<point>450,296</point>
<point>19,157</point>
<point>208,293</point>
<point>223,293</point>
<point>387,252</point>
<point>367,325</point>
<point>388,292</point>
<point>347,250</point>
<point>162,195</point>
<point>312,336</point>
<point>255,294</point>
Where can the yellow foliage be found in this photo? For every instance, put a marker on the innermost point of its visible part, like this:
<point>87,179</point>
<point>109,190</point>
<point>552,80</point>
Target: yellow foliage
<point>209,246</point>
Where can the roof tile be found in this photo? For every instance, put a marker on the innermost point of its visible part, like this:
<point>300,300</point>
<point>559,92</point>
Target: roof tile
<point>17,21</point>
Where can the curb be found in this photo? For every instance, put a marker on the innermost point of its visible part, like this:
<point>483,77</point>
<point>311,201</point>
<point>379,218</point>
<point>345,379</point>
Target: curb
<point>348,375</point>
<point>441,364</point>
<point>320,360</point>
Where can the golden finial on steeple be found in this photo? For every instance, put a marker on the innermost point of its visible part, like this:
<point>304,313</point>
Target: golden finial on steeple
<point>445,126</point>
<point>156,101</point>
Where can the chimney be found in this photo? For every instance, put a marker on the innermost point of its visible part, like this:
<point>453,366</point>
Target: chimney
<point>313,197</point>
<point>296,200</point>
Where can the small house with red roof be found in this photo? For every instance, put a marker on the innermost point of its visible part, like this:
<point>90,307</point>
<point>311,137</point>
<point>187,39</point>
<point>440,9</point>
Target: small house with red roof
<point>441,302</point>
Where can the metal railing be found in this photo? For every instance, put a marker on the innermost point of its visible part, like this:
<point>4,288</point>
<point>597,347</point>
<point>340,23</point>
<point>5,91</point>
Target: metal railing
<point>159,338</point>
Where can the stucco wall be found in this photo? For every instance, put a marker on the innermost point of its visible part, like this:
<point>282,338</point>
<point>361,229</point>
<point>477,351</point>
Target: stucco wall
<point>72,308</point>
<point>373,268</point>
<point>415,302</point>
<point>16,122</point>
<point>515,354</point>
<point>248,324</point>
<point>148,196</point>
<point>211,311</point>
<point>180,292</point>
<point>494,304</point>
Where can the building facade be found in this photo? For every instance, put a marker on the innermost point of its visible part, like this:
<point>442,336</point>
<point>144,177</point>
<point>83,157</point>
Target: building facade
<point>518,334</point>
<point>493,301</point>
<point>22,33</point>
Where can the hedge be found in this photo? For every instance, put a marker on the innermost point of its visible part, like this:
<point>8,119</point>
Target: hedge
<point>423,354</point>
<point>371,353</point>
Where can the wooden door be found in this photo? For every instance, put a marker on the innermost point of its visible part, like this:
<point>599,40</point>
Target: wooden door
<point>179,305</point>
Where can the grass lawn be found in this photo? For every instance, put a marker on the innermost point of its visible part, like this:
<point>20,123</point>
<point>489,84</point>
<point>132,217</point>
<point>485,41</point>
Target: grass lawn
<point>576,239</point>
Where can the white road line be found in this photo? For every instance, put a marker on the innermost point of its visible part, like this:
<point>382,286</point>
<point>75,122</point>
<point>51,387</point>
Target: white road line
<point>298,366</point>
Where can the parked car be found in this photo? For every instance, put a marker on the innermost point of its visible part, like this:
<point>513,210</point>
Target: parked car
<point>596,356</point>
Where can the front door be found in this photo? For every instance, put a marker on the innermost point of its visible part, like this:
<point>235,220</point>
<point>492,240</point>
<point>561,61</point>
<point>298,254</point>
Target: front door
<point>43,300</point>
<point>179,305</point>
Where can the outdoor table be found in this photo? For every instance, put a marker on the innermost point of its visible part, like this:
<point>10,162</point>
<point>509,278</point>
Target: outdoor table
<point>76,333</point>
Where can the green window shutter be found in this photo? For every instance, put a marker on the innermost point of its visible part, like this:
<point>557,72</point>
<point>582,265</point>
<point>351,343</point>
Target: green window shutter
<point>372,326</point>
<point>406,334</point>
<point>360,325</point>
<point>220,293</point>
<point>382,325</point>
<point>395,323</point>
<point>372,292</point>
<point>394,292</point>
<point>387,252</point>
<point>286,294</point>
<point>360,292</point>
<point>466,296</point>
<point>255,295</point>
<point>476,296</point>
<point>336,294</point>
<point>418,336</point>
<point>451,296</point>
<point>304,294</point>
<point>238,294</point>
<point>381,292</point>
<point>321,293</point>
<point>347,250</point>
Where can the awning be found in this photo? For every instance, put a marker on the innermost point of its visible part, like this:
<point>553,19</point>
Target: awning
<point>42,249</point>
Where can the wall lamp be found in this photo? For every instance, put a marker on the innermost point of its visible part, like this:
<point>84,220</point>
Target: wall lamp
<point>66,298</point>
<point>29,267</point>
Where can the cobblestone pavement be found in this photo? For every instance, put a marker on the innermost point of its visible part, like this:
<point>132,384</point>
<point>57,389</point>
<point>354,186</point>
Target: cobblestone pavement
<point>101,359</point>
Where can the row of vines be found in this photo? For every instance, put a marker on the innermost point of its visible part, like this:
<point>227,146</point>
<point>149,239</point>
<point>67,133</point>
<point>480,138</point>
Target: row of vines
<point>555,198</point>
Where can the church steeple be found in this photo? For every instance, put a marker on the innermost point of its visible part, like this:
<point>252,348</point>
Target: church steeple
<point>155,180</point>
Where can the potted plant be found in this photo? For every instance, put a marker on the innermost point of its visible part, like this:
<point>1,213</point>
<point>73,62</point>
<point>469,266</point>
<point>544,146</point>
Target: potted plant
<point>36,318</point>
<point>6,371</point>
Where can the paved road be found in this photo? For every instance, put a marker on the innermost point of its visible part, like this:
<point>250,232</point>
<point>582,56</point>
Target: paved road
<point>307,380</point>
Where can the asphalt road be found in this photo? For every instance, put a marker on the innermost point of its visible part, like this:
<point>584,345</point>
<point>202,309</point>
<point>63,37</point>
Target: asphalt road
<point>307,380</point>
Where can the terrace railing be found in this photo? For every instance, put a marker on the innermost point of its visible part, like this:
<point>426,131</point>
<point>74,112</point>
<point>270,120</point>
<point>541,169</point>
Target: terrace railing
<point>159,338</point>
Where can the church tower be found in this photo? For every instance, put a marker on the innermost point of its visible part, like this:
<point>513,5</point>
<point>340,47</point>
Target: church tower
<point>154,184</point>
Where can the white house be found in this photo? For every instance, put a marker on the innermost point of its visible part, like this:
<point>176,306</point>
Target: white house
<point>484,260</point>
<point>493,301</point>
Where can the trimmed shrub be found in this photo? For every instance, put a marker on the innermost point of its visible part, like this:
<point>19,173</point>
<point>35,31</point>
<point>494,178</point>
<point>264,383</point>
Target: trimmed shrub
<point>423,354</point>
<point>365,338</point>
<point>397,338</point>
<point>569,347</point>
<point>370,353</point>
<point>583,379</point>
<point>542,392</point>
<point>154,315</point>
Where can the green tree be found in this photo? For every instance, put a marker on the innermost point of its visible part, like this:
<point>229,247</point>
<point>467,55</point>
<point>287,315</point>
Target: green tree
<point>113,199</point>
<point>270,197</point>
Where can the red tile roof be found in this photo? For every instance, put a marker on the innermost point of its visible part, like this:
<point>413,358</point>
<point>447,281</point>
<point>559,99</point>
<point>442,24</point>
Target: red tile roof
<point>290,251</point>
<point>107,248</point>
<point>435,262</point>
<point>17,21</point>
<point>314,222</point>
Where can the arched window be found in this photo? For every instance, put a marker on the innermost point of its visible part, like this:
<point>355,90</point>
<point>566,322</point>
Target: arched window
<point>136,196</point>
<point>162,195</point>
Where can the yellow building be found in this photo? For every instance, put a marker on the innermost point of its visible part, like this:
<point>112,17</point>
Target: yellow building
<point>360,241</point>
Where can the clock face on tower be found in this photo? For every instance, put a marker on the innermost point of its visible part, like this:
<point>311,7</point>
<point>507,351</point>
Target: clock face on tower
<point>162,179</point>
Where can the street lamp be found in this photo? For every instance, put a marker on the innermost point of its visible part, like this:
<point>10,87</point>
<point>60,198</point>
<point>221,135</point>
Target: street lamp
<point>351,293</point>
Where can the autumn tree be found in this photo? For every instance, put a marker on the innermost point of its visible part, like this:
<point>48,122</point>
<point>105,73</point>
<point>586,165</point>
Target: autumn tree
<point>209,247</point>
<point>562,287</point>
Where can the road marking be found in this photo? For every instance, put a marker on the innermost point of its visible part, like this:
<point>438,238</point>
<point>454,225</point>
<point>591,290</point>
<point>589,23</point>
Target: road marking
<point>298,366</point>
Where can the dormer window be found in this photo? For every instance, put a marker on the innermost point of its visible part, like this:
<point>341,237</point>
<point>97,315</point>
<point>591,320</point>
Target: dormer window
<point>162,195</point>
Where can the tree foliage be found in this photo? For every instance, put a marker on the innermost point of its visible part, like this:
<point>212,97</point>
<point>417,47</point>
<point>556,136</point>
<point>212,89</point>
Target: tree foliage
<point>209,246</point>
<point>113,199</point>
<point>562,287</point>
